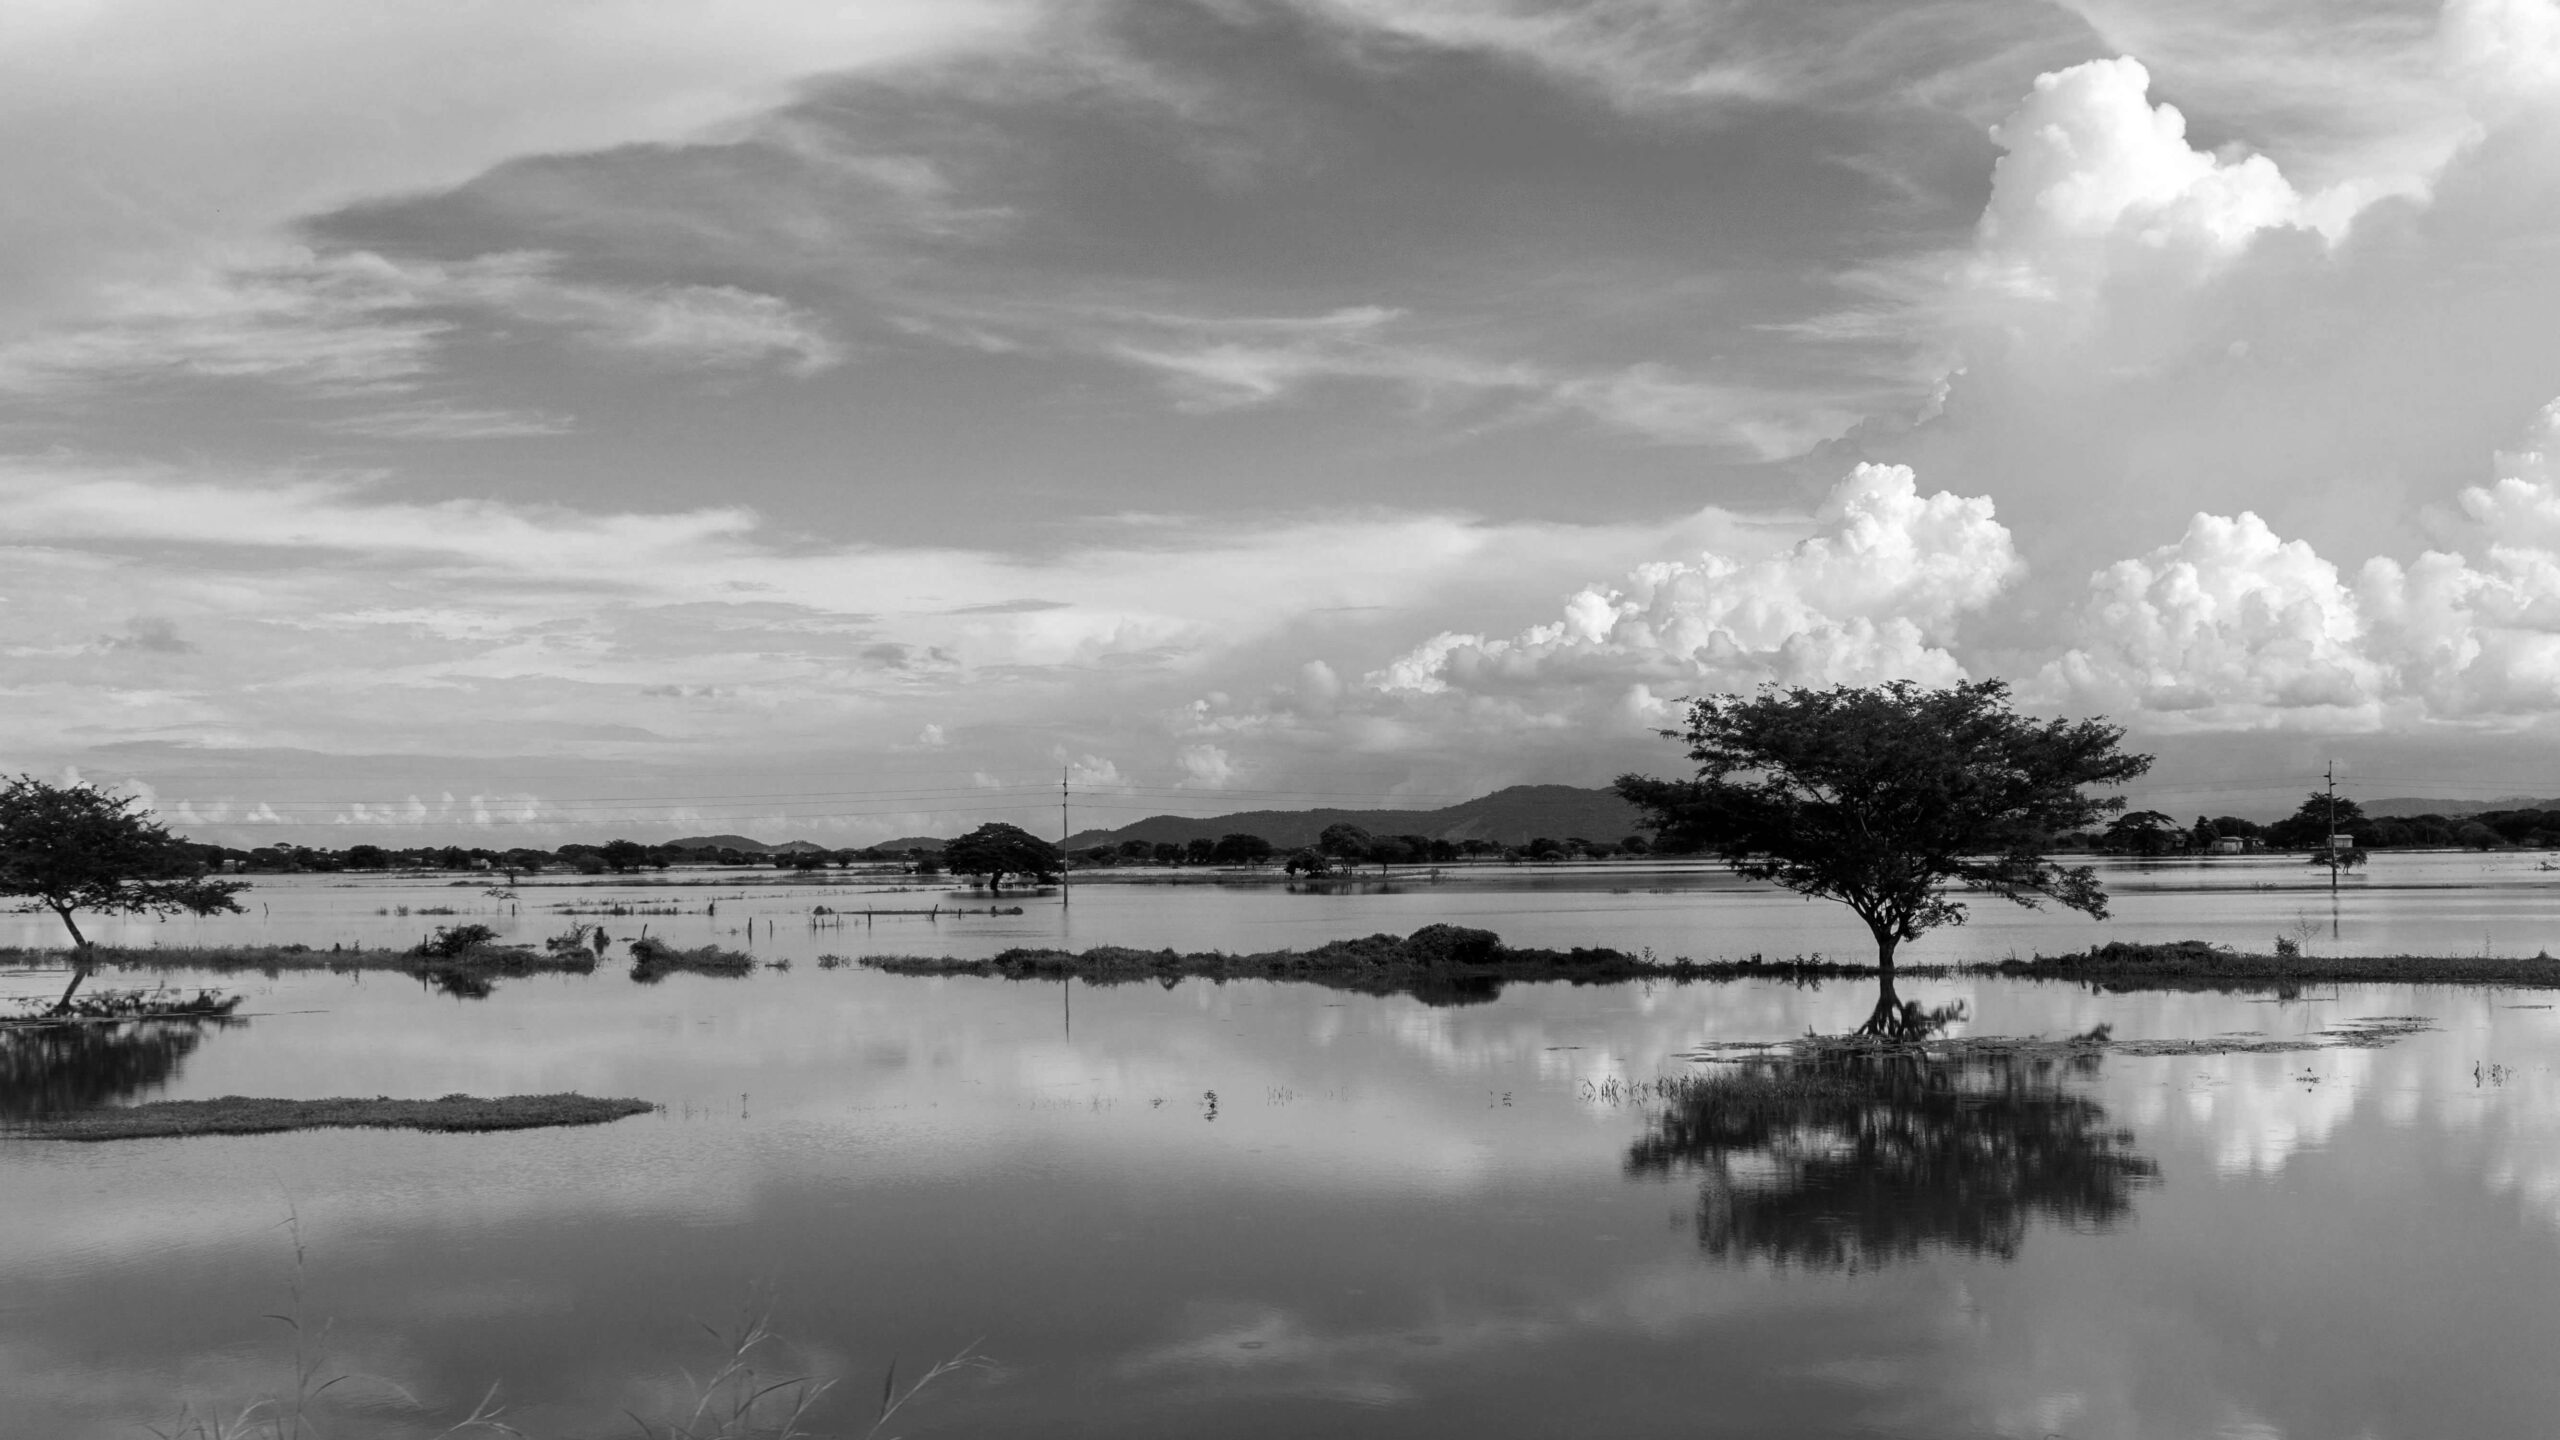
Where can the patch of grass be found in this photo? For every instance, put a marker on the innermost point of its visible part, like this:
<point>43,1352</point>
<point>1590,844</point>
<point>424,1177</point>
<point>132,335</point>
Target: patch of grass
<point>249,1115</point>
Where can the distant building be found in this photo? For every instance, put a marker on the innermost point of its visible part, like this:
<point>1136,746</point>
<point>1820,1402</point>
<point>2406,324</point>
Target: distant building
<point>2228,845</point>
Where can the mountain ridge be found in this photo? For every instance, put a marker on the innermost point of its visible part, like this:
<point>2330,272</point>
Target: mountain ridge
<point>1513,815</point>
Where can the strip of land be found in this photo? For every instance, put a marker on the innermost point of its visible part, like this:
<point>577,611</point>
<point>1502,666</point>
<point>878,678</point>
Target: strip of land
<point>274,960</point>
<point>1439,957</point>
<point>247,1115</point>
<point>2193,964</point>
<point>1445,962</point>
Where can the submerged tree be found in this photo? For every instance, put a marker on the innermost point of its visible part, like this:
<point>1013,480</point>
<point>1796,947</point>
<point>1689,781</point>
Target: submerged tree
<point>1857,1158</point>
<point>994,851</point>
<point>69,848</point>
<point>1886,797</point>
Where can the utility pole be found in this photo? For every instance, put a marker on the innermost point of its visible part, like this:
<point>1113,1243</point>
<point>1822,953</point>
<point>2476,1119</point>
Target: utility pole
<point>2333,844</point>
<point>1065,861</point>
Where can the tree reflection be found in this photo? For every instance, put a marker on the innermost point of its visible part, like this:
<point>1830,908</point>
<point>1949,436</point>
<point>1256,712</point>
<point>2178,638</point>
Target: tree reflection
<point>1854,1158</point>
<point>56,1068</point>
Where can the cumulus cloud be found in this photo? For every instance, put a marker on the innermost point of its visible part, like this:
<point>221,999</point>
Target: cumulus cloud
<point>2101,211</point>
<point>2234,626</point>
<point>1205,767</point>
<point>1874,594</point>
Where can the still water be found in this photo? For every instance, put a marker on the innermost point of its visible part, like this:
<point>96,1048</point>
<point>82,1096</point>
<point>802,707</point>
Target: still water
<point>1269,1210</point>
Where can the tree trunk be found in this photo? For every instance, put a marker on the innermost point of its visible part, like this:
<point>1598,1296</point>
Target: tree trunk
<point>1887,1019</point>
<point>79,962</point>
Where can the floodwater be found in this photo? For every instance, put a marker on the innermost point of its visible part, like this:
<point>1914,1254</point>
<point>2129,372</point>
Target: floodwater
<point>1273,1210</point>
<point>2431,903</point>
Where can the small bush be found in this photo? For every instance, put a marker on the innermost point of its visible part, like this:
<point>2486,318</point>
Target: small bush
<point>451,941</point>
<point>1452,945</point>
<point>653,960</point>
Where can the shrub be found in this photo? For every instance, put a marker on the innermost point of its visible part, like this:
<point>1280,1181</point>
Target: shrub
<point>453,940</point>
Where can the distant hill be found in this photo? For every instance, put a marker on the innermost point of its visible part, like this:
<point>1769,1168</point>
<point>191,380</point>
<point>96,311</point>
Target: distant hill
<point>2402,806</point>
<point>910,842</point>
<point>1512,816</point>
<point>742,844</point>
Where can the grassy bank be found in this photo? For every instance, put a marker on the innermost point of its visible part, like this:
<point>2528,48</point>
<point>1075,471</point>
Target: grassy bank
<point>247,1115</point>
<point>2195,964</point>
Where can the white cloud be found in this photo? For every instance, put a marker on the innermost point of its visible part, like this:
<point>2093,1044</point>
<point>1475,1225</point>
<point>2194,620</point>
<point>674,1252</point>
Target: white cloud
<point>1093,772</point>
<point>2229,620</point>
<point>1205,767</point>
<point>2233,626</point>
<point>1874,594</point>
<point>2100,208</point>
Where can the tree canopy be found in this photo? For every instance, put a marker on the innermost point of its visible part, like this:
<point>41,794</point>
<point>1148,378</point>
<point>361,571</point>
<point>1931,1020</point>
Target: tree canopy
<point>995,850</point>
<point>2312,822</point>
<point>1887,797</point>
<point>69,848</point>
<point>2145,832</point>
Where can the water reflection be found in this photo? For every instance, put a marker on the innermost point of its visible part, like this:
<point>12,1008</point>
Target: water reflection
<point>1855,1159</point>
<point>54,1068</point>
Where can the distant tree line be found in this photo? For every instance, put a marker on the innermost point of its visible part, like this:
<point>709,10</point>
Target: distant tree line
<point>2150,832</point>
<point>618,857</point>
<point>1346,847</point>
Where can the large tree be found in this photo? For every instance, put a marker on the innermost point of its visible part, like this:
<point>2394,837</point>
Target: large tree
<point>994,851</point>
<point>1347,844</point>
<point>1885,798</point>
<point>69,848</point>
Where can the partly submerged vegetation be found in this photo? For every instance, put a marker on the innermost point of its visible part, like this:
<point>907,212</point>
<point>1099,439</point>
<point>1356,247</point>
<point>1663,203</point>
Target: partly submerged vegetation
<point>249,1115</point>
<point>2186,964</point>
<point>654,960</point>
<point>1445,964</point>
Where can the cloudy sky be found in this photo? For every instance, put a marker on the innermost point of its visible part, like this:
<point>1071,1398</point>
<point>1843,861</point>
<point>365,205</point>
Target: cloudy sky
<point>645,416</point>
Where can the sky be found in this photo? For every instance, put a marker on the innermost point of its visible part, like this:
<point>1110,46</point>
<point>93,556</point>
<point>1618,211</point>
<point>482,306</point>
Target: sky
<point>500,424</point>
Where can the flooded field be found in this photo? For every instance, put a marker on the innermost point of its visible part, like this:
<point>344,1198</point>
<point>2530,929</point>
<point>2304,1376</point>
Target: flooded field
<point>2432,903</point>
<point>1258,1209</point>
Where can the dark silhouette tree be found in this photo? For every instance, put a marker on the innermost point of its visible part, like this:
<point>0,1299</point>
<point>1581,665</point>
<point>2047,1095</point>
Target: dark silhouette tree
<point>1855,1159</point>
<point>993,851</point>
<point>1241,849</point>
<point>2144,832</point>
<point>1345,842</point>
<point>69,848</point>
<point>2309,826</point>
<point>1886,797</point>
